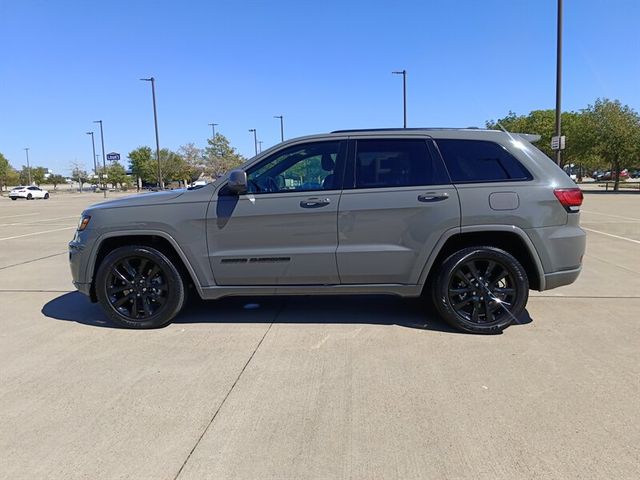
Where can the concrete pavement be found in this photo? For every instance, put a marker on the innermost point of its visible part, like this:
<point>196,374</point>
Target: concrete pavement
<point>337,387</point>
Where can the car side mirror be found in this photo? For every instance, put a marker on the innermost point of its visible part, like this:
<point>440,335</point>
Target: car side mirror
<point>237,183</point>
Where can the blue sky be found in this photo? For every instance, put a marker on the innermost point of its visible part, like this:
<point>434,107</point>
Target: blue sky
<point>324,65</point>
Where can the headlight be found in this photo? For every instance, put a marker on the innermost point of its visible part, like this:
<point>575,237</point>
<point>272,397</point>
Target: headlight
<point>84,222</point>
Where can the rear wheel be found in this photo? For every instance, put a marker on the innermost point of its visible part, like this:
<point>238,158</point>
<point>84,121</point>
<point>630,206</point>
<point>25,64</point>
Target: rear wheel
<point>139,287</point>
<point>481,290</point>
<point>14,198</point>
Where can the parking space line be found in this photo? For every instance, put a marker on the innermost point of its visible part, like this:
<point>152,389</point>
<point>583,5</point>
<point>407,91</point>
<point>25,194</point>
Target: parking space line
<point>41,233</point>
<point>55,218</point>
<point>603,233</point>
<point>204,432</point>
<point>610,215</point>
<point>37,221</point>
<point>32,260</point>
<point>23,215</point>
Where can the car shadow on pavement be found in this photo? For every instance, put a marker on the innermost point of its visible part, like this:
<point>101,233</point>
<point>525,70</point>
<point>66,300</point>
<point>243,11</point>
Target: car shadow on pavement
<point>337,309</point>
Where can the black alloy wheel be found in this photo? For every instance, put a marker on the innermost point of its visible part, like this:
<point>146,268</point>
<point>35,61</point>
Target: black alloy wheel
<point>139,287</point>
<point>481,290</point>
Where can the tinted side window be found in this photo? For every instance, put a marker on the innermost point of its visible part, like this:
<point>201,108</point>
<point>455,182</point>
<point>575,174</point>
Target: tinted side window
<point>395,163</point>
<point>480,161</point>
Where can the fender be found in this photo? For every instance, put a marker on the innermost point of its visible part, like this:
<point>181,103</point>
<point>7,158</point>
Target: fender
<point>90,268</point>
<point>480,229</point>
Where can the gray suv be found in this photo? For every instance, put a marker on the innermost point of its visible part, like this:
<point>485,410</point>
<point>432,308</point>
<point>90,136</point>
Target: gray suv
<point>470,219</point>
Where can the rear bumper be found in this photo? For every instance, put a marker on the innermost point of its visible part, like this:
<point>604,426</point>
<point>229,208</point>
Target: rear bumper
<point>558,279</point>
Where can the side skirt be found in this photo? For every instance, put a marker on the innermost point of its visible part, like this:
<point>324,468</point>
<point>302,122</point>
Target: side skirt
<point>213,293</point>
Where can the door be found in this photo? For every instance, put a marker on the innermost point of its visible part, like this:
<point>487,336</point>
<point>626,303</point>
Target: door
<point>283,231</point>
<point>396,203</point>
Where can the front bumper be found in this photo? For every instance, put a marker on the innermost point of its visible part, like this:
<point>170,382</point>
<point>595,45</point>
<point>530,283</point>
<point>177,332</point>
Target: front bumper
<point>78,258</point>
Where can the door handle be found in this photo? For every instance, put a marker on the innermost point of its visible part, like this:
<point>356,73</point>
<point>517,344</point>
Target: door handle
<point>433,197</point>
<point>315,202</point>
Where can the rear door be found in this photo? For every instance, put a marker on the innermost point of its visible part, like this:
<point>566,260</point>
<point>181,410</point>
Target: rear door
<point>396,203</point>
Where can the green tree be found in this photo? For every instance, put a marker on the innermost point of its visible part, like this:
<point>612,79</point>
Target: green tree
<point>194,161</point>
<point>78,174</point>
<point>613,134</point>
<point>220,156</point>
<point>7,172</point>
<point>117,175</point>
<point>37,175</point>
<point>56,180</point>
<point>542,122</point>
<point>143,164</point>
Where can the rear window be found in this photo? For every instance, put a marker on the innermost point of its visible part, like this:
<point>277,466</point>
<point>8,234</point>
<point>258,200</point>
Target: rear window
<point>470,161</point>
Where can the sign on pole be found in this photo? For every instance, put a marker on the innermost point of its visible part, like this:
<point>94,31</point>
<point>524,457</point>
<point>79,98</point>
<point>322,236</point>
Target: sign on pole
<point>557,143</point>
<point>113,156</point>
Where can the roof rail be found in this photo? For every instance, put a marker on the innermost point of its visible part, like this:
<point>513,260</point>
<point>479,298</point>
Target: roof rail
<point>355,130</point>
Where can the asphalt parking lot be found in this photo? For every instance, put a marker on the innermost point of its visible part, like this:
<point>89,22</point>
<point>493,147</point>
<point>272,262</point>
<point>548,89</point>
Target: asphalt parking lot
<point>328,388</point>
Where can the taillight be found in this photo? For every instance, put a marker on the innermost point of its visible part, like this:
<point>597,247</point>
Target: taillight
<point>570,198</point>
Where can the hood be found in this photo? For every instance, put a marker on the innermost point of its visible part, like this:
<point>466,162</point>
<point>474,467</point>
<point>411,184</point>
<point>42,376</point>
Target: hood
<point>138,200</point>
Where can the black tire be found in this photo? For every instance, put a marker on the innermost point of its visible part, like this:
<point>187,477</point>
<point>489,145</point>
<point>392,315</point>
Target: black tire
<point>29,197</point>
<point>46,196</point>
<point>14,198</point>
<point>139,287</point>
<point>481,290</point>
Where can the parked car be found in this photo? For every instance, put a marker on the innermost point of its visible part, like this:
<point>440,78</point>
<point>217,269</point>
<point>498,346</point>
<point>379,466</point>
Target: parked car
<point>30,193</point>
<point>470,218</point>
<point>608,176</point>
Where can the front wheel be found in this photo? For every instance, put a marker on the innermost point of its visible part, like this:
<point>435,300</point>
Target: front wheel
<point>46,196</point>
<point>139,287</point>
<point>29,197</point>
<point>481,290</point>
<point>14,198</point>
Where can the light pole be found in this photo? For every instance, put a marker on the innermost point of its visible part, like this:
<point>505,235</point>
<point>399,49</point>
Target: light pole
<point>104,164</point>
<point>213,129</point>
<point>259,146</point>
<point>255,139</point>
<point>404,93</point>
<point>93,145</point>
<point>559,83</point>
<point>28,167</point>
<point>155,119</point>
<point>281,126</point>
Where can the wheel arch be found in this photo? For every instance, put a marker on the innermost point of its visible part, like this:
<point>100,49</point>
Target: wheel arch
<point>158,240</point>
<point>508,238</point>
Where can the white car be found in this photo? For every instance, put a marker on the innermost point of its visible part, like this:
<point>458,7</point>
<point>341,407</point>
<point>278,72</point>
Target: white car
<point>29,193</point>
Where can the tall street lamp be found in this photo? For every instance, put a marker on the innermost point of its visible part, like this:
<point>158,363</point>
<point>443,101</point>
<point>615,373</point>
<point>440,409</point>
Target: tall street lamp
<point>28,166</point>
<point>404,93</point>
<point>559,83</point>
<point>93,145</point>
<point>213,129</point>
<point>155,119</point>
<point>255,139</point>
<point>104,164</point>
<point>259,146</point>
<point>281,126</point>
